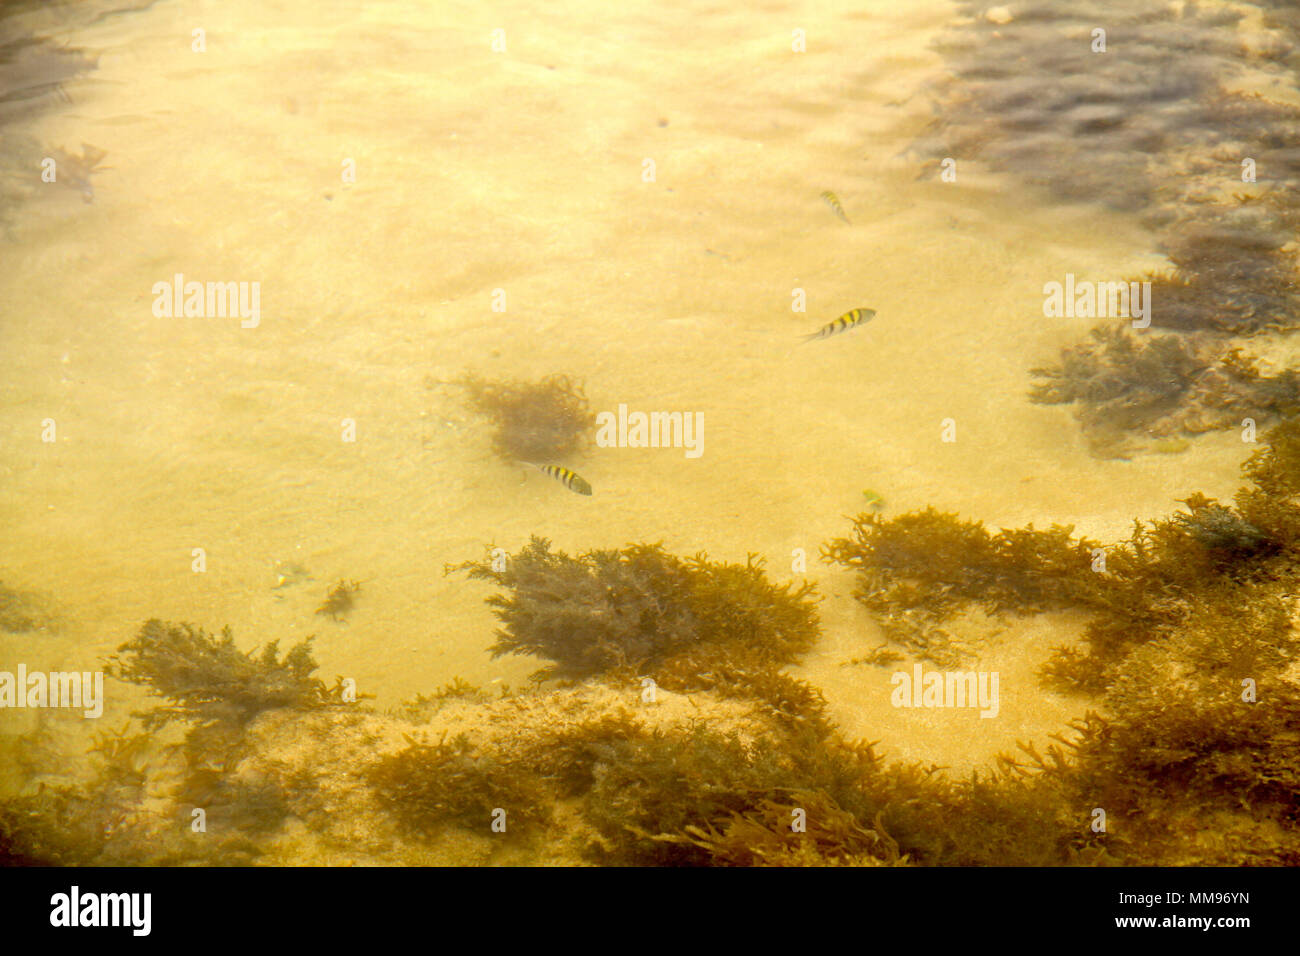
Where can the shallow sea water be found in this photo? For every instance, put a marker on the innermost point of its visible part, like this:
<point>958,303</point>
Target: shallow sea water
<point>522,171</point>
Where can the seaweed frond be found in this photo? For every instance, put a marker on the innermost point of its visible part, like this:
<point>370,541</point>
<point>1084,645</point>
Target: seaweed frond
<point>208,679</point>
<point>541,421</point>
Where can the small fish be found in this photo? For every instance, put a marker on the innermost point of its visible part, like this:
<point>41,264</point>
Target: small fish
<point>874,501</point>
<point>845,322</point>
<point>833,201</point>
<point>570,479</point>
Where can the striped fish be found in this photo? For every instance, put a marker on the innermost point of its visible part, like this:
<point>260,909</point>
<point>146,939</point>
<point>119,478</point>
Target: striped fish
<point>570,479</point>
<point>833,201</point>
<point>849,320</point>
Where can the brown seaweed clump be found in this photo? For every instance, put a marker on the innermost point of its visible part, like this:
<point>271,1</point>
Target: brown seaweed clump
<point>430,785</point>
<point>540,422</point>
<point>34,75</point>
<point>207,683</point>
<point>1204,724</point>
<point>684,799</point>
<point>1196,761</point>
<point>918,571</point>
<point>1192,644</point>
<point>1124,386</point>
<point>21,612</point>
<point>764,836</point>
<point>74,171</point>
<point>689,624</point>
<point>1033,97</point>
<point>340,600</point>
<point>800,798</point>
<point>697,782</point>
<point>1215,172</point>
<point>33,71</point>
<point>219,691</point>
<point>636,607</point>
<point>209,680</point>
<point>1230,276</point>
<point>101,809</point>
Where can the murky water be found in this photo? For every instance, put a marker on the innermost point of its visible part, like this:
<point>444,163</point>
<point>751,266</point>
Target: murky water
<point>519,175</point>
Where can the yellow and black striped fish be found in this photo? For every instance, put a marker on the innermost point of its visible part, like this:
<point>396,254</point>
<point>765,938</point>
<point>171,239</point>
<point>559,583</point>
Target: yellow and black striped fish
<point>849,320</point>
<point>833,201</point>
<point>570,479</point>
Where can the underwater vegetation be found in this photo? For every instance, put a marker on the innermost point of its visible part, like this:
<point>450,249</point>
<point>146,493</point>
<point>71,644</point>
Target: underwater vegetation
<point>797,797</point>
<point>1221,532</point>
<point>881,656</point>
<point>1125,385</point>
<point>538,422</point>
<point>216,691</point>
<point>1031,97</point>
<point>107,814</point>
<point>74,171</point>
<point>423,706</point>
<point>655,794</point>
<point>635,607</point>
<point>1202,725</point>
<point>32,73</point>
<point>35,73</point>
<point>1191,744</point>
<point>1231,277</point>
<point>1194,756</point>
<point>763,836</point>
<point>208,679</point>
<point>234,804</point>
<point>1190,646</point>
<point>63,825</point>
<point>637,612</point>
<point>340,600</point>
<point>1196,760</point>
<point>918,571</point>
<point>427,786</point>
<point>21,612</point>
